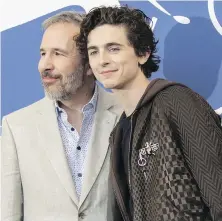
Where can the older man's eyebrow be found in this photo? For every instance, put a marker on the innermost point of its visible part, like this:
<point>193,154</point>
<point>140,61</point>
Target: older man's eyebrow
<point>55,49</point>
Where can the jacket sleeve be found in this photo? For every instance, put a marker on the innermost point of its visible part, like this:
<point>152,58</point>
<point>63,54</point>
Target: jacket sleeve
<point>11,190</point>
<point>199,134</point>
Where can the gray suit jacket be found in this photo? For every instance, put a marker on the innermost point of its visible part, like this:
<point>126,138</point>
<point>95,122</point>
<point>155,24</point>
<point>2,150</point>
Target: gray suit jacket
<point>35,170</point>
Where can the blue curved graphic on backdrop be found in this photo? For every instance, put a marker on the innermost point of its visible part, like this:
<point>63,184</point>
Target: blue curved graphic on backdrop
<point>193,57</point>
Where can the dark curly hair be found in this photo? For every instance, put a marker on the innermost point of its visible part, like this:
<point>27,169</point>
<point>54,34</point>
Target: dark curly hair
<point>139,32</point>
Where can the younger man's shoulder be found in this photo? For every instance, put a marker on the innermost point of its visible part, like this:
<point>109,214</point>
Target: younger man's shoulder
<point>179,93</point>
<point>179,98</point>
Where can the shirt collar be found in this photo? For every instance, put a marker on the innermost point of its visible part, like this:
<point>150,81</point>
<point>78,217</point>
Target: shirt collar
<point>90,105</point>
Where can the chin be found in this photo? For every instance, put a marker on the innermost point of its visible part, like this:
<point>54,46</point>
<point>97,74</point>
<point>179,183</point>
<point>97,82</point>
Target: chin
<point>109,86</point>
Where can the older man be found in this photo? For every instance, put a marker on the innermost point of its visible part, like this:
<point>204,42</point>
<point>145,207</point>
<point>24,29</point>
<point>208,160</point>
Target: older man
<point>55,156</point>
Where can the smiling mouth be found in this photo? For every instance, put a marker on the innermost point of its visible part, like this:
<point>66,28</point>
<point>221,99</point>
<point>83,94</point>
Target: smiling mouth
<point>107,72</point>
<point>50,80</point>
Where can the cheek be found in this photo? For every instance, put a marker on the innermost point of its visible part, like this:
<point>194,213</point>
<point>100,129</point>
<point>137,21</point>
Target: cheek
<point>128,66</point>
<point>66,66</point>
<point>131,64</point>
<point>93,65</point>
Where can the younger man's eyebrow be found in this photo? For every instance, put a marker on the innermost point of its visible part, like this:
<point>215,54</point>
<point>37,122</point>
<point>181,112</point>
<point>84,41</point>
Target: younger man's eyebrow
<point>93,47</point>
<point>113,43</point>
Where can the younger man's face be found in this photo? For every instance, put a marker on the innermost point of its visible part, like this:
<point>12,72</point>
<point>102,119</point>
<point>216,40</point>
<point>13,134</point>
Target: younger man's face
<point>111,57</point>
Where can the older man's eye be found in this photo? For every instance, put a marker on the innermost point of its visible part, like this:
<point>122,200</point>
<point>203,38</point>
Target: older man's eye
<point>57,53</point>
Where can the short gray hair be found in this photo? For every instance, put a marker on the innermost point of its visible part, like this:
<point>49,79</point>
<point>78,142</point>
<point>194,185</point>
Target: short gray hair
<point>64,17</point>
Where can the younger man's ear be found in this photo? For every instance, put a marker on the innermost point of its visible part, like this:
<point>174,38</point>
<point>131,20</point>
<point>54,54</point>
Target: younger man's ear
<point>143,59</point>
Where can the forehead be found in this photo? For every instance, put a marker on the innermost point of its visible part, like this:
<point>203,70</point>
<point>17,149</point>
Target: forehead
<point>59,34</point>
<point>105,34</point>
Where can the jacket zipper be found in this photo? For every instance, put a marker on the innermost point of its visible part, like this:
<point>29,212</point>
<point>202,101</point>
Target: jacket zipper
<point>129,153</point>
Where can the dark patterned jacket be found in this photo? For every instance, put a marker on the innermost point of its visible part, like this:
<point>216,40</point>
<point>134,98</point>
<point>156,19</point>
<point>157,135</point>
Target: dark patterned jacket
<point>175,158</point>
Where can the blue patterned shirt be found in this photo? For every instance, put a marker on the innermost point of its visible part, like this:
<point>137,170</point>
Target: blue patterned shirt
<point>75,144</point>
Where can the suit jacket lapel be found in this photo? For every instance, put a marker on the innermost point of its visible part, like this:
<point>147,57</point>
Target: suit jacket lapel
<point>51,141</point>
<point>104,122</point>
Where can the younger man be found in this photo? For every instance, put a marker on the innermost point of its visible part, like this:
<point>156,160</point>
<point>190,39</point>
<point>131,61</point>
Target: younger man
<point>167,148</point>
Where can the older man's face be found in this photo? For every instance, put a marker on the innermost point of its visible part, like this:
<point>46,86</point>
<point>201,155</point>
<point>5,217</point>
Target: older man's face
<point>60,65</point>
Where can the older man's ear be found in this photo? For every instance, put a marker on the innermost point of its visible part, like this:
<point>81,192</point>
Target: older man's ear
<point>89,72</point>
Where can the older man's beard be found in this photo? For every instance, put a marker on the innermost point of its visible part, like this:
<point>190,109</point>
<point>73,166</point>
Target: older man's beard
<point>67,86</point>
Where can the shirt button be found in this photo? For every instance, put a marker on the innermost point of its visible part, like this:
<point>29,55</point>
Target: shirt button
<point>81,215</point>
<point>78,148</point>
<point>72,129</point>
<point>79,175</point>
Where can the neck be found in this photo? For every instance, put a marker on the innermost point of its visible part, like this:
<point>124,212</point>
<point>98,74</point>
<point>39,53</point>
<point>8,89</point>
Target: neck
<point>78,100</point>
<point>130,95</point>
